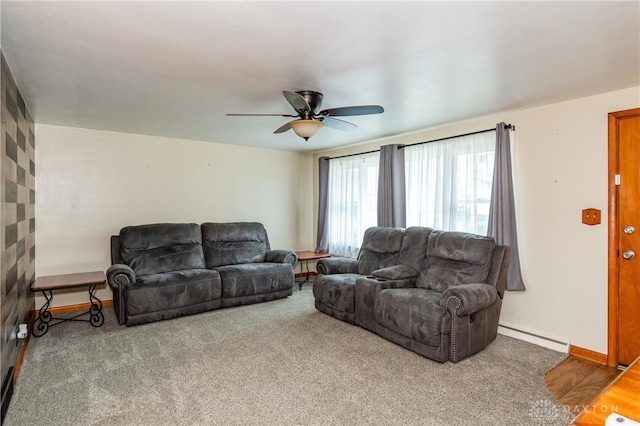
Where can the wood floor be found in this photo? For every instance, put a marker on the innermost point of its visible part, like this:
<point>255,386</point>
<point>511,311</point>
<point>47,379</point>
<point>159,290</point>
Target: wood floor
<point>575,382</point>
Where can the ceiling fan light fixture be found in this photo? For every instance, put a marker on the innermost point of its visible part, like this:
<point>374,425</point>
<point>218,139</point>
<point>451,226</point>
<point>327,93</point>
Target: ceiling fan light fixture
<point>306,128</point>
<point>306,104</point>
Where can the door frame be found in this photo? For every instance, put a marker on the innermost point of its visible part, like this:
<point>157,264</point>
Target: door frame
<point>614,235</point>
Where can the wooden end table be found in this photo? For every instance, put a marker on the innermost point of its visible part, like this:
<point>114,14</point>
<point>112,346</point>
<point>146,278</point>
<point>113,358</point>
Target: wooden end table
<point>47,284</point>
<point>306,256</point>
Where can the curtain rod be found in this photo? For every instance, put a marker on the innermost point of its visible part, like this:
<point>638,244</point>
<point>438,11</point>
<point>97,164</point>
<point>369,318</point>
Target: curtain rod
<point>506,126</point>
<point>352,155</point>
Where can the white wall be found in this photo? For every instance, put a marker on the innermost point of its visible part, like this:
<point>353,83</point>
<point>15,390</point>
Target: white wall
<point>91,183</point>
<point>560,168</point>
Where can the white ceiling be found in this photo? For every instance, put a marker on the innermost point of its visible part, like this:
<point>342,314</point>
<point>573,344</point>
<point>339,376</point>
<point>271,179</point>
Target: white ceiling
<point>175,68</point>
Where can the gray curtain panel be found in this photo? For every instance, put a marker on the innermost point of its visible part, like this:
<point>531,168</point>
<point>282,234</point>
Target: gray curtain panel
<point>322,245</point>
<point>502,212</point>
<point>391,188</point>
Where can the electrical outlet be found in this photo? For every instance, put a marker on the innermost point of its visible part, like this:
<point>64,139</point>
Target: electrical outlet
<point>22,331</point>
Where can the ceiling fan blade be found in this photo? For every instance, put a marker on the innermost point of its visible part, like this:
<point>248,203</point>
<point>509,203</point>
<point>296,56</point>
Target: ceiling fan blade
<point>352,110</point>
<point>337,124</point>
<point>297,101</point>
<point>283,128</point>
<point>261,115</point>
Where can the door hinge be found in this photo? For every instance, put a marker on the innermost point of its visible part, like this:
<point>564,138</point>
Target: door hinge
<point>616,179</point>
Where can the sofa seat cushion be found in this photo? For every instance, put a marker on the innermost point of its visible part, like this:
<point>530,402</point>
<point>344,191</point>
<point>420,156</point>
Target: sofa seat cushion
<point>414,313</point>
<point>254,278</point>
<point>336,291</point>
<point>158,292</point>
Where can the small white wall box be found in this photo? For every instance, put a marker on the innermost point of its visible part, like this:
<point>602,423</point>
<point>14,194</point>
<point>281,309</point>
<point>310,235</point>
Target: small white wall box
<point>22,331</point>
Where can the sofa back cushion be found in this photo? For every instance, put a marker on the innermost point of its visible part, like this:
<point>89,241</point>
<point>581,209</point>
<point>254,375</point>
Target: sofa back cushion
<point>161,247</point>
<point>234,243</point>
<point>455,258</point>
<point>414,247</point>
<point>380,249</point>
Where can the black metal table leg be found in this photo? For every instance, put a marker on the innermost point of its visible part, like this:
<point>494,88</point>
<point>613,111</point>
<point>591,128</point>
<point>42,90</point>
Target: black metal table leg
<point>300,280</point>
<point>306,278</point>
<point>41,325</point>
<point>97,318</point>
<point>44,320</point>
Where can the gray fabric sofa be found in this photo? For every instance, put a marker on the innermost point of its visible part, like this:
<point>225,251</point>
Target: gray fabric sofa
<point>167,270</point>
<point>436,293</point>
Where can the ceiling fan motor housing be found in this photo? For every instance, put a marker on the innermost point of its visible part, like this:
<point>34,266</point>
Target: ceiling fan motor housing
<point>314,99</point>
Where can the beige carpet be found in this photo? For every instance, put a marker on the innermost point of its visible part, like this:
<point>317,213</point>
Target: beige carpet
<point>279,362</point>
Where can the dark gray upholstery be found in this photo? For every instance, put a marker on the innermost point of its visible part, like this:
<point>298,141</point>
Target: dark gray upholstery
<point>455,258</point>
<point>334,295</point>
<point>414,246</point>
<point>249,269</point>
<point>240,281</point>
<point>441,298</point>
<point>334,287</point>
<point>162,271</point>
<point>499,269</point>
<point>403,275</point>
<point>120,277</point>
<point>157,248</point>
<point>234,243</point>
<point>366,292</point>
<point>281,256</point>
<point>172,294</point>
<point>413,313</point>
<point>387,262</point>
<point>337,265</point>
<point>380,249</point>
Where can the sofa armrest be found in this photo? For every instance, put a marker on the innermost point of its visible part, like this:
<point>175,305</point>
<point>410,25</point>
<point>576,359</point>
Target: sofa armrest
<point>397,272</point>
<point>120,276</point>
<point>281,256</point>
<point>466,299</point>
<point>337,265</point>
<point>379,284</point>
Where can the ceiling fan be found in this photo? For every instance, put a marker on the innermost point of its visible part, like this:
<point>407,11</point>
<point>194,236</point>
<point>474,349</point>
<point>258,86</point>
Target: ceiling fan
<point>309,119</point>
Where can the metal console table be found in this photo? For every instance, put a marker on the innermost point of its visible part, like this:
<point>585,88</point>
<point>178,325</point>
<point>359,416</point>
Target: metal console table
<point>47,284</point>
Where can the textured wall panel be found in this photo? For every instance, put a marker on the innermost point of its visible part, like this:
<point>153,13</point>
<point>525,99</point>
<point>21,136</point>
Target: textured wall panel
<point>17,217</point>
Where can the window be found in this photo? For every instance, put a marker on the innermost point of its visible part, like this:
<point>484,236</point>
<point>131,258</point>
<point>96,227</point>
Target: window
<point>448,183</point>
<point>448,187</point>
<point>352,197</point>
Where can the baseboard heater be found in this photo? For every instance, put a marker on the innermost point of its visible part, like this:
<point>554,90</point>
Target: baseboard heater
<point>536,339</point>
<point>7,393</point>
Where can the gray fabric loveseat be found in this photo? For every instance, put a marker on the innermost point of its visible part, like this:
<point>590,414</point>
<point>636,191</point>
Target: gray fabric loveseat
<point>436,293</point>
<point>167,270</point>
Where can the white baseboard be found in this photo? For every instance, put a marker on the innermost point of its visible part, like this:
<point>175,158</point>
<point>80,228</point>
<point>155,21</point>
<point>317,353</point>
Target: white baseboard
<point>535,338</point>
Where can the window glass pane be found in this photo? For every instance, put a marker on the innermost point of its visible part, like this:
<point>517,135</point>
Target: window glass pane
<point>449,183</point>
<point>352,197</point>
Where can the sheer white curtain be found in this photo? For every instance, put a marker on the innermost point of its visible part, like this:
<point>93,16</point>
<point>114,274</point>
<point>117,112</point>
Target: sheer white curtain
<point>352,201</point>
<point>449,183</point>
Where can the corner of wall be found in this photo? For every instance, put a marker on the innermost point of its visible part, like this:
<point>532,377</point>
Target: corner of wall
<point>17,243</point>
